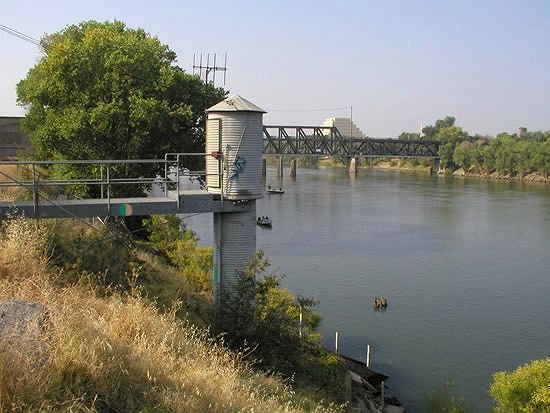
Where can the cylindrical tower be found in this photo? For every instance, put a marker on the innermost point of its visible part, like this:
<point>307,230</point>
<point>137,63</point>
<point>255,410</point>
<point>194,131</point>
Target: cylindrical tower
<point>234,128</point>
<point>234,142</point>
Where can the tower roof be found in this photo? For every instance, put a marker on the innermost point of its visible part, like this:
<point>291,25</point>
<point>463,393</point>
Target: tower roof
<point>235,103</point>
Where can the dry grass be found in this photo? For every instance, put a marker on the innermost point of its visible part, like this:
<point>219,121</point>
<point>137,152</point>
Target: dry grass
<point>118,353</point>
<point>12,193</point>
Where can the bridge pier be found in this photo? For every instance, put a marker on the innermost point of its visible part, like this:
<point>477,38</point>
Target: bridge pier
<point>264,167</point>
<point>293,168</point>
<point>279,171</point>
<point>354,165</point>
<point>436,166</point>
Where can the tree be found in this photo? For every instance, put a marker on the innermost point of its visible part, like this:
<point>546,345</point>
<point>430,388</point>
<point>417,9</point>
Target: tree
<point>105,91</point>
<point>526,390</point>
<point>429,132</point>
<point>265,316</point>
<point>169,236</point>
<point>462,155</point>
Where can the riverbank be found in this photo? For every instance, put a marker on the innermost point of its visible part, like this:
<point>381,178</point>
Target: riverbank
<point>396,165</point>
<point>530,177</point>
<point>408,166</point>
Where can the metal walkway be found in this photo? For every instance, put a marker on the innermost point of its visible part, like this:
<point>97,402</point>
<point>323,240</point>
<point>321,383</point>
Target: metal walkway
<point>172,199</point>
<point>327,140</point>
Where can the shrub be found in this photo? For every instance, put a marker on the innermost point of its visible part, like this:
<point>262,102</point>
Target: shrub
<point>525,390</point>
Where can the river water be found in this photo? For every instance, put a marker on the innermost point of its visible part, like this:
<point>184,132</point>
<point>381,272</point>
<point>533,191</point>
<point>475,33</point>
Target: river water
<point>464,263</point>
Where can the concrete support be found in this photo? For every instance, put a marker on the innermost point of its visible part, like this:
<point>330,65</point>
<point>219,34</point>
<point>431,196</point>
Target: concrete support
<point>436,166</point>
<point>279,172</point>
<point>354,165</point>
<point>293,168</point>
<point>264,168</point>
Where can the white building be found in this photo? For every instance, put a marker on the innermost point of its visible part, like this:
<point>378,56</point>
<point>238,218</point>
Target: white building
<point>345,126</point>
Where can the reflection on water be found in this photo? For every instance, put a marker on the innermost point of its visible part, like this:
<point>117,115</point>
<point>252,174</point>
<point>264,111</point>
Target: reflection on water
<point>464,263</point>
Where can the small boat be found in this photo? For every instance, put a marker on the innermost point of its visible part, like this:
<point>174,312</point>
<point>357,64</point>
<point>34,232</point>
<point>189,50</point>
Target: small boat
<point>275,191</point>
<point>264,221</point>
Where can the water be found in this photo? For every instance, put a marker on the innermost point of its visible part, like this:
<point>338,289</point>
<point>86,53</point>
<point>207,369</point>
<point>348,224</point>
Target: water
<point>465,264</point>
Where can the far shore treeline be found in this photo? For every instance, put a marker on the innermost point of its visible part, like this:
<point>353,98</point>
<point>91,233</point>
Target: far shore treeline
<point>512,155</point>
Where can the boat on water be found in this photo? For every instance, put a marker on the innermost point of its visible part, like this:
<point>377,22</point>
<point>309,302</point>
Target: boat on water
<point>264,221</point>
<point>275,190</point>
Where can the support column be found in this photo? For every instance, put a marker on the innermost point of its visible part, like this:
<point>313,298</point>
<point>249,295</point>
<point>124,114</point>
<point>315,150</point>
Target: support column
<point>264,167</point>
<point>354,165</point>
<point>293,168</point>
<point>436,166</point>
<point>279,172</point>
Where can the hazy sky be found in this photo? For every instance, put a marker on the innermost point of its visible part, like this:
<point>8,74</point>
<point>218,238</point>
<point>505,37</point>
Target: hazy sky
<point>398,63</point>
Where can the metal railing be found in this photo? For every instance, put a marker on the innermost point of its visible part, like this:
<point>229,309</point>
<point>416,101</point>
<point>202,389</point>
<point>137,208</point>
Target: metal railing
<point>172,162</point>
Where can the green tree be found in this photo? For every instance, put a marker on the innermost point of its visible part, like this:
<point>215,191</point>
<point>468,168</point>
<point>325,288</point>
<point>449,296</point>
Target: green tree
<point>266,316</point>
<point>105,91</point>
<point>168,235</point>
<point>446,154</point>
<point>526,390</point>
<point>461,155</point>
<point>430,132</point>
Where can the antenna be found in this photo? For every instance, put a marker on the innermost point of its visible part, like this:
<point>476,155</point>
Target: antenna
<point>204,71</point>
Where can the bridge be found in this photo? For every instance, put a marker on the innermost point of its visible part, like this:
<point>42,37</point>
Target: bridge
<point>328,141</point>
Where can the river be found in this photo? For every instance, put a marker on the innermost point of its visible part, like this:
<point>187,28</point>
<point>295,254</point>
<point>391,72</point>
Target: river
<point>464,263</point>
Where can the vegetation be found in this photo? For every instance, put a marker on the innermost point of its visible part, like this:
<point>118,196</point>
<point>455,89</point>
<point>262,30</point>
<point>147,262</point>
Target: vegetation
<point>266,317</point>
<point>104,91</point>
<point>526,390</point>
<point>442,400</point>
<point>109,349</point>
<point>260,315</point>
<point>506,154</point>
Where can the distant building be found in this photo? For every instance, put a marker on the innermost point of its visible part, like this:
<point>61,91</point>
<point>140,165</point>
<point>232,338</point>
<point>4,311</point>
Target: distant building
<point>12,139</point>
<point>345,126</point>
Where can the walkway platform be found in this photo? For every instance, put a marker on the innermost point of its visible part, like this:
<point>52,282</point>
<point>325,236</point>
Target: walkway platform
<point>190,201</point>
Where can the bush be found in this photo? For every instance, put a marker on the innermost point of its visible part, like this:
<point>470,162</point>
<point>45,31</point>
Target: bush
<point>168,236</point>
<point>526,390</point>
<point>264,318</point>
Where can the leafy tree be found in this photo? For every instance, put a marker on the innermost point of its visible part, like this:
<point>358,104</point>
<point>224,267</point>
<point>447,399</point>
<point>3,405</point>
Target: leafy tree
<point>263,318</point>
<point>513,154</point>
<point>105,91</point>
<point>526,390</point>
<point>168,235</point>
<point>430,132</point>
<point>446,155</point>
<point>461,155</point>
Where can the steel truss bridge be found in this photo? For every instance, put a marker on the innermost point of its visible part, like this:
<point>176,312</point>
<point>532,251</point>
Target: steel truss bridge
<point>328,141</point>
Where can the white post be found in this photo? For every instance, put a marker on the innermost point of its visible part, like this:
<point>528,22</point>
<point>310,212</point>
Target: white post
<point>382,393</point>
<point>336,342</point>
<point>367,362</point>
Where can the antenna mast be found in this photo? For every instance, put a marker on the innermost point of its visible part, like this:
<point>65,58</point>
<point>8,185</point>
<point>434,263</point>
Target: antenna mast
<point>204,71</point>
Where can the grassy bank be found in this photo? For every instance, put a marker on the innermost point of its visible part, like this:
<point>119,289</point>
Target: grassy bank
<point>127,338</point>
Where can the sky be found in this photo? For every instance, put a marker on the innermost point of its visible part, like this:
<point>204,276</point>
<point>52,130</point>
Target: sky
<point>392,65</point>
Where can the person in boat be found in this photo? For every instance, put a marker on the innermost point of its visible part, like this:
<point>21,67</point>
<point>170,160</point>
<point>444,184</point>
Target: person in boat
<point>269,188</point>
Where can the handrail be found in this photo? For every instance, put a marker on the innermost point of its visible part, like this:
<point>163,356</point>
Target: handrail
<point>171,160</point>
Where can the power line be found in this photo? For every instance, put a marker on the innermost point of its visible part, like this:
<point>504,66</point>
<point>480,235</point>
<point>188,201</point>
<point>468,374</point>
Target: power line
<point>20,35</point>
<point>307,110</point>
